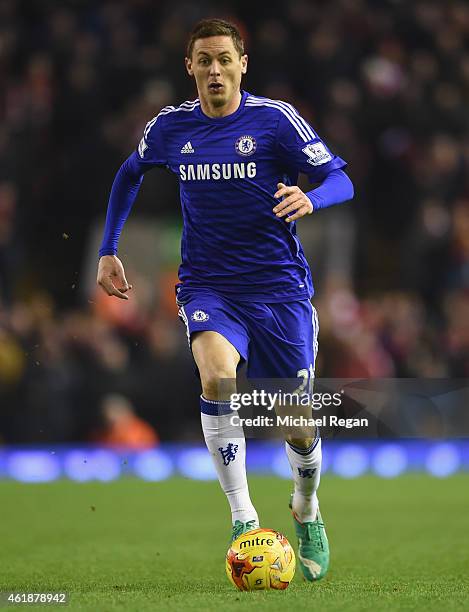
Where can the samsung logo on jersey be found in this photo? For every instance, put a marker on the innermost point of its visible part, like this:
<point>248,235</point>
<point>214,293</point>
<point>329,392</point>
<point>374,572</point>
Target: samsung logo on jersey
<point>215,172</point>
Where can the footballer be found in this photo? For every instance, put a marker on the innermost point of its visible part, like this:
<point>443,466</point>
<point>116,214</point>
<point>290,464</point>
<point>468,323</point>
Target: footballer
<point>245,285</point>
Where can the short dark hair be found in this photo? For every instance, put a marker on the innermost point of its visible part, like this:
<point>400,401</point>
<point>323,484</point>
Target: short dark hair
<point>215,27</point>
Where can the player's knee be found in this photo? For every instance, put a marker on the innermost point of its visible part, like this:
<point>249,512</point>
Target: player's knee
<point>218,382</point>
<point>302,443</point>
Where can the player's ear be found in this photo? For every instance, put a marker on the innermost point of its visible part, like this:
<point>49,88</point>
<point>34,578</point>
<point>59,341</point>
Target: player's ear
<point>244,64</point>
<point>188,63</point>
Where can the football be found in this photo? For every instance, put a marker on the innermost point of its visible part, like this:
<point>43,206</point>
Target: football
<point>260,559</point>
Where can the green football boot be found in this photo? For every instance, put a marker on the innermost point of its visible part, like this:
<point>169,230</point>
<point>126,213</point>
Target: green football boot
<point>239,528</point>
<point>313,547</point>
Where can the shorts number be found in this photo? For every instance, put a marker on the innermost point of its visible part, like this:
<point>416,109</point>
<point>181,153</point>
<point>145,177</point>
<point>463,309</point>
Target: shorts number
<point>307,374</point>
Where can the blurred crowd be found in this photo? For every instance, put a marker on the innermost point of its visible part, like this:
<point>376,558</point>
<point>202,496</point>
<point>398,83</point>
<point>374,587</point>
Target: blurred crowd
<point>386,84</point>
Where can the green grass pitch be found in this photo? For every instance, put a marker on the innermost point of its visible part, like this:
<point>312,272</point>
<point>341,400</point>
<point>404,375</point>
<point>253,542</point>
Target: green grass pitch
<point>398,544</point>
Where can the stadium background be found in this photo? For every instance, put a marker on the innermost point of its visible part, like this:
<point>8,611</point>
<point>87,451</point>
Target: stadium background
<point>386,84</point>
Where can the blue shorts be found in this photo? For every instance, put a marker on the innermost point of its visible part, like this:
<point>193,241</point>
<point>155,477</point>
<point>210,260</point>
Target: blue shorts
<point>277,340</point>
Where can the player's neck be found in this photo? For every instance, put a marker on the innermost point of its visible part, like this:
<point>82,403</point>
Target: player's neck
<point>221,111</point>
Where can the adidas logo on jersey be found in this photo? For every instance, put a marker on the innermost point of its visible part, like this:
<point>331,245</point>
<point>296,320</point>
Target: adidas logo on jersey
<point>187,148</point>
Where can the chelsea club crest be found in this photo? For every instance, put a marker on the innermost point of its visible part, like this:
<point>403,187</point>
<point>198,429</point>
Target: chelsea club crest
<point>199,316</point>
<point>245,145</point>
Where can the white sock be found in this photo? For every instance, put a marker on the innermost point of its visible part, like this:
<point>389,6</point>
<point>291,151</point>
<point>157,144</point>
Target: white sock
<point>306,469</point>
<point>227,445</point>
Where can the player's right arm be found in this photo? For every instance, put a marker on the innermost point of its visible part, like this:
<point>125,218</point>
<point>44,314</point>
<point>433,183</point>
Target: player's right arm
<point>150,153</point>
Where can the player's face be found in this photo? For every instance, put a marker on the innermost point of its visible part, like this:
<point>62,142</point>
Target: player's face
<point>217,68</point>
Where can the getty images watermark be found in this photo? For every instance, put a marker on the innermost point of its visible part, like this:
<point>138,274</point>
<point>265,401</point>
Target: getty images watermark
<point>279,401</point>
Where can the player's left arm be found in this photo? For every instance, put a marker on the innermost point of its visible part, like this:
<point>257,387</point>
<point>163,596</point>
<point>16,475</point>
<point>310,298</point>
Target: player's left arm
<point>335,189</point>
<point>301,149</point>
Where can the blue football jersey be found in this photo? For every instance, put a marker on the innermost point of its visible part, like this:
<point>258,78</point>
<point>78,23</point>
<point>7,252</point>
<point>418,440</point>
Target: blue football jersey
<point>228,170</point>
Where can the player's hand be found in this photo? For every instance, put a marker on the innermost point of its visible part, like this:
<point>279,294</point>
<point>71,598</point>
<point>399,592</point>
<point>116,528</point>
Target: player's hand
<point>294,201</point>
<point>111,277</point>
